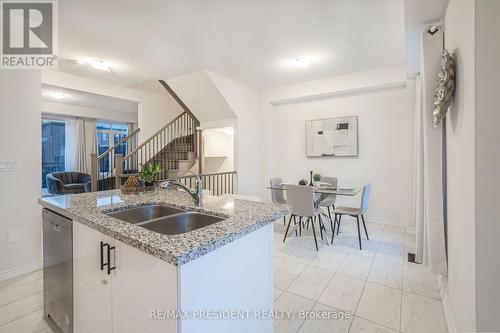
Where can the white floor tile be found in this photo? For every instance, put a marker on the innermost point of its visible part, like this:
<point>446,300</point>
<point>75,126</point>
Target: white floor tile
<point>285,272</point>
<point>284,249</point>
<point>294,304</point>
<point>304,255</point>
<point>356,266</point>
<point>369,248</point>
<point>343,242</point>
<point>277,292</point>
<point>332,322</point>
<point>360,325</point>
<point>21,291</point>
<point>387,273</point>
<point>30,323</point>
<point>381,305</point>
<point>20,280</point>
<point>329,259</point>
<point>343,293</point>
<point>390,251</point>
<point>20,308</point>
<point>417,279</point>
<point>311,283</point>
<point>422,314</point>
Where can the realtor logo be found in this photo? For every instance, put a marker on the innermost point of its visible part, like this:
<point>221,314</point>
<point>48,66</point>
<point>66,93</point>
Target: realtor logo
<point>29,34</point>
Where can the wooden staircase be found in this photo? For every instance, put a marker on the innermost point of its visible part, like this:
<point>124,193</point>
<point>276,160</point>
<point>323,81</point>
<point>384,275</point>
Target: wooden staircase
<point>175,147</point>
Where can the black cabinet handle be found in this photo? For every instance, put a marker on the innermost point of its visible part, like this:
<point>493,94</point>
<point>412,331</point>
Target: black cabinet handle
<point>102,255</point>
<point>110,268</point>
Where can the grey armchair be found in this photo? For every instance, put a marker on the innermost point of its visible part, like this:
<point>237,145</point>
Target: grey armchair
<point>66,182</point>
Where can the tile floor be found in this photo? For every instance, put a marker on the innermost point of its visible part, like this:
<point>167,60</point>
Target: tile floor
<point>376,287</point>
<point>382,291</point>
<point>21,305</point>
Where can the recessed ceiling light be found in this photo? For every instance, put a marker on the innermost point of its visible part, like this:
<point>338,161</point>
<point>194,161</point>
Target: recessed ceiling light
<point>57,95</point>
<point>100,64</point>
<point>302,62</point>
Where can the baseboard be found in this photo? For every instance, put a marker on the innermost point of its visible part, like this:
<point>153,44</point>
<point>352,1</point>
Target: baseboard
<point>448,314</point>
<point>20,270</point>
<point>386,221</point>
<point>411,230</point>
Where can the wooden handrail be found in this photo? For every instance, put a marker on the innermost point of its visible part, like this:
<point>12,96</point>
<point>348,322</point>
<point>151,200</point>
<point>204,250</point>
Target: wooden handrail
<point>179,101</point>
<point>117,144</point>
<point>208,174</point>
<point>154,135</point>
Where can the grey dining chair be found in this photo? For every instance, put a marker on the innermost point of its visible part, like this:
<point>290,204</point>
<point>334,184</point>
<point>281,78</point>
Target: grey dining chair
<point>278,196</point>
<point>329,201</point>
<point>355,212</point>
<point>301,199</point>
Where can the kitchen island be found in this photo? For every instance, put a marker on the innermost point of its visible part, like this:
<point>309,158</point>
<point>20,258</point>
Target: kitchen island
<point>128,278</point>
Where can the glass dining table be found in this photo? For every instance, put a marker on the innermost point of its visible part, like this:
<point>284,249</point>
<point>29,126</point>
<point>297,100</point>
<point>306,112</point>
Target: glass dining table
<point>324,192</point>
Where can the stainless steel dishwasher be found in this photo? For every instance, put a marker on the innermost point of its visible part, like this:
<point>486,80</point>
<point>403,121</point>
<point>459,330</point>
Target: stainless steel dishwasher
<point>58,270</point>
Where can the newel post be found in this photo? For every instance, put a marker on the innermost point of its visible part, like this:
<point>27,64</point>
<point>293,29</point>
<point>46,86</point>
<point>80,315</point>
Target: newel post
<point>93,172</point>
<point>118,170</point>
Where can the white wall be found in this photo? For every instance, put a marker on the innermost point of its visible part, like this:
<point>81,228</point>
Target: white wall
<point>63,109</point>
<point>20,133</point>
<point>249,134</point>
<point>155,110</point>
<point>383,125</point>
<point>198,92</point>
<point>218,151</point>
<point>460,291</point>
<point>487,170</point>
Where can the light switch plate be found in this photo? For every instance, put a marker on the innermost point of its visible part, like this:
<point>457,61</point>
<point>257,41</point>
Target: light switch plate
<point>14,236</point>
<point>10,164</point>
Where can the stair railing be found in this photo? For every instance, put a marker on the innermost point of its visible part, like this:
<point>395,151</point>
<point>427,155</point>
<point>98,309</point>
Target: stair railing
<point>173,142</point>
<point>103,167</point>
<point>167,146</point>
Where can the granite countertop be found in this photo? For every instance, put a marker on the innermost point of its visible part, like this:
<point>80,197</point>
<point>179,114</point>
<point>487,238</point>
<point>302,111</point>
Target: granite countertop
<point>241,218</point>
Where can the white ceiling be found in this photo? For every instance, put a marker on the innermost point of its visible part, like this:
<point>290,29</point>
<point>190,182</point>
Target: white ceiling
<point>253,42</point>
<point>81,98</point>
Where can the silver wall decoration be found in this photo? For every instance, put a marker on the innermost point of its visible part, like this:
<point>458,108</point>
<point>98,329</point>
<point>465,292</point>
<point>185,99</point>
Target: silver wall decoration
<point>445,88</point>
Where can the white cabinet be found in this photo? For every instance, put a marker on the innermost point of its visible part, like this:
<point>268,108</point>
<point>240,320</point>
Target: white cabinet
<point>122,300</point>
<point>141,284</point>
<point>91,285</point>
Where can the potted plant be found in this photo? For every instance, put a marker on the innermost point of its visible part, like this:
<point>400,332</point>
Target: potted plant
<point>316,179</point>
<point>148,173</point>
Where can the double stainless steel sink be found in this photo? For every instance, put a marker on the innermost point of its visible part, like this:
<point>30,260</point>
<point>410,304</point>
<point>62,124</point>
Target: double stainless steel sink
<point>165,220</point>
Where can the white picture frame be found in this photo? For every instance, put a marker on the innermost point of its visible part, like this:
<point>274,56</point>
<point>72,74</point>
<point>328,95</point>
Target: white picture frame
<point>332,137</point>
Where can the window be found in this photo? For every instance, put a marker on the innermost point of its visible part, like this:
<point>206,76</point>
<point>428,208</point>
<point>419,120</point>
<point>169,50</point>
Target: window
<point>53,137</point>
<point>109,134</point>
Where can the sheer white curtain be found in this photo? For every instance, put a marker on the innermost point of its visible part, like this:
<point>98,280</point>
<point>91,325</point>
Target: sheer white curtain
<point>90,140</point>
<point>428,175</point>
<point>75,150</point>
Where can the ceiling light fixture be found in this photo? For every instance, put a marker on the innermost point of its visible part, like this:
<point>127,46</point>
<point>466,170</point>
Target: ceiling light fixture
<point>302,62</point>
<point>100,64</point>
<point>57,95</point>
